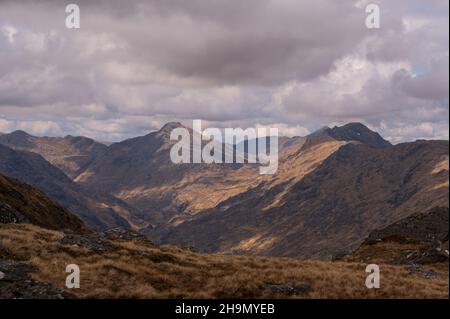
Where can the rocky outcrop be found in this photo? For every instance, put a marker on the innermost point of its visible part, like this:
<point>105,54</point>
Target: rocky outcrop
<point>16,283</point>
<point>428,227</point>
<point>9,215</point>
<point>417,240</point>
<point>287,289</point>
<point>96,242</point>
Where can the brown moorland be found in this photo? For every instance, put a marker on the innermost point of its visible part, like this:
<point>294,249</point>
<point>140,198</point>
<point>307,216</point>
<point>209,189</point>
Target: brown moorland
<point>139,269</point>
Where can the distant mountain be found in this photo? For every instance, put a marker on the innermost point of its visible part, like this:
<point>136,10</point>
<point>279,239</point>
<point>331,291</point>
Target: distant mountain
<point>70,154</point>
<point>358,132</point>
<point>352,132</point>
<point>95,208</point>
<point>140,172</point>
<point>332,188</point>
<point>347,180</point>
<point>333,207</point>
<point>20,202</point>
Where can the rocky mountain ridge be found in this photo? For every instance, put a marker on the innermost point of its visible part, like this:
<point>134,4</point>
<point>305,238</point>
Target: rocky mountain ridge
<point>332,188</point>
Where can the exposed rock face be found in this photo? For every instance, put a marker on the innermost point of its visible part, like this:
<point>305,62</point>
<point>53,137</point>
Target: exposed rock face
<point>20,203</point>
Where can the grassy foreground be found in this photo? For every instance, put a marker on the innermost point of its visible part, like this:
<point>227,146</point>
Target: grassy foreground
<point>139,269</point>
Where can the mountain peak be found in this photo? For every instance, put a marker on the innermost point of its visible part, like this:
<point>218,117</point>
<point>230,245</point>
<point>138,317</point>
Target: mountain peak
<point>78,139</point>
<point>349,132</point>
<point>168,127</point>
<point>354,126</point>
<point>20,133</point>
<point>17,139</point>
<point>358,132</point>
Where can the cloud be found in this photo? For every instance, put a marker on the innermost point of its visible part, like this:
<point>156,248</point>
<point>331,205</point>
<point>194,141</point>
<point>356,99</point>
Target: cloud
<point>9,32</point>
<point>33,127</point>
<point>295,64</point>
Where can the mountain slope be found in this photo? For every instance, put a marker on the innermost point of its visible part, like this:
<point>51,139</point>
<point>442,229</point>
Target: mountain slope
<point>417,240</point>
<point>356,189</point>
<point>96,209</point>
<point>428,227</point>
<point>331,189</point>
<point>20,202</point>
<point>140,172</point>
<point>70,154</point>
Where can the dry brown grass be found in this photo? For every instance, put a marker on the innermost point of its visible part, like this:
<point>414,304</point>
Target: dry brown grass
<point>140,270</point>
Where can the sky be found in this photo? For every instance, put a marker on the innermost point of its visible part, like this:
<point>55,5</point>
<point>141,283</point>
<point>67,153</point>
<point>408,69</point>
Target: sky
<point>297,65</point>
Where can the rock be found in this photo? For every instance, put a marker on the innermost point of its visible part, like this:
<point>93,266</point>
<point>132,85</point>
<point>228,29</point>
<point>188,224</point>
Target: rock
<point>95,242</point>
<point>289,289</point>
<point>14,271</point>
<point>432,254</point>
<point>124,234</point>
<point>9,215</point>
<point>426,228</point>
<point>418,270</point>
<point>16,283</point>
<point>340,255</point>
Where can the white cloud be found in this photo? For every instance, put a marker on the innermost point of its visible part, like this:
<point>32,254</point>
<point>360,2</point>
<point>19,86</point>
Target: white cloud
<point>32,127</point>
<point>9,32</point>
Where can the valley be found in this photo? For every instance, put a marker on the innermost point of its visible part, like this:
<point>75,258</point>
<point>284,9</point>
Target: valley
<point>342,198</point>
<point>332,188</point>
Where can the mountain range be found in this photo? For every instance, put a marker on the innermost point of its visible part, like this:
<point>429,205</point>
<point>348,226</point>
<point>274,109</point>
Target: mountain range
<point>332,189</point>
<point>98,209</point>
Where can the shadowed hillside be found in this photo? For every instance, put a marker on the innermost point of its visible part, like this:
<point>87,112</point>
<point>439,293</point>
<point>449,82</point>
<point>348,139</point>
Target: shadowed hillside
<point>21,203</point>
<point>95,208</point>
